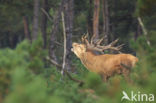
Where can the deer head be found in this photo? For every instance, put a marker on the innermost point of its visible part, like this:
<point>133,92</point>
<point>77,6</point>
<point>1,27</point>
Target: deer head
<point>78,49</point>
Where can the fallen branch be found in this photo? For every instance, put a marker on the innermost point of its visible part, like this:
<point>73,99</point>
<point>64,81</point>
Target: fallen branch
<point>74,79</point>
<point>54,62</point>
<point>66,72</point>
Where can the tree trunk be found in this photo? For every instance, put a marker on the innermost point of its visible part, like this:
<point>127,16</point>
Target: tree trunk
<point>44,23</point>
<point>54,31</point>
<point>68,11</point>
<point>26,28</point>
<point>105,21</point>
<point>113,22</point>
<point>96,20</point>
<point>138,31</point>
<point>35,19</point>
<point>90,17</point>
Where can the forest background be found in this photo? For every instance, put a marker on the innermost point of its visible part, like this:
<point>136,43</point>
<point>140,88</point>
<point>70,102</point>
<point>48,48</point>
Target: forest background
<point>32,45</point>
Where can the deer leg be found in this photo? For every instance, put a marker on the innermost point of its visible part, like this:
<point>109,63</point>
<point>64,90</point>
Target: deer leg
<point>104,78</point>
<point>126,74</point>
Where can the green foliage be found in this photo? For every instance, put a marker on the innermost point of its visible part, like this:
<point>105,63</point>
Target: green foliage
<point>26,77</point>
<point>37,54</point>
<point>27,87</point>
<point>20,82</point>
<point>93,79</point>
<point>146,7</point>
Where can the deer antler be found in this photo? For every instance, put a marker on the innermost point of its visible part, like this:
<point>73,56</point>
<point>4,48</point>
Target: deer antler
<point>97,47</point>
<point>84,39</point>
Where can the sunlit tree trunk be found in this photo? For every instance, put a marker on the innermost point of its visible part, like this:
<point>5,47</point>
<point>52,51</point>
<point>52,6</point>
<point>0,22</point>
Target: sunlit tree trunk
<point>105,21</point>
<point>96,20</point>
<point>26,28</point>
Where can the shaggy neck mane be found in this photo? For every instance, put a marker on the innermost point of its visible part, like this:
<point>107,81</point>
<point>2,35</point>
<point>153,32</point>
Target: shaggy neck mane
<point>88,59</point>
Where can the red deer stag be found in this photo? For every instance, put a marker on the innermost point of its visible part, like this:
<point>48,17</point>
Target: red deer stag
<point>104,64</point>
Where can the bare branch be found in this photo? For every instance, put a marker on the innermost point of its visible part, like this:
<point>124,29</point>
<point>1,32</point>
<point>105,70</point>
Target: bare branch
<point>48,16</point>
<point>144,30</point>
<point>64,35</point>
<point>142,26</point>
<point>50,19</point>
<point>58,43</point>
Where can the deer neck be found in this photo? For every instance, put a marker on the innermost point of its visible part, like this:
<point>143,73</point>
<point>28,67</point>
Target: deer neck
<point>88,59</point>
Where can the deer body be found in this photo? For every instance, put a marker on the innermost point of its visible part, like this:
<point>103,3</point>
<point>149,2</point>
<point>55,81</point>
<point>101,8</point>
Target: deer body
<point>107,64</point>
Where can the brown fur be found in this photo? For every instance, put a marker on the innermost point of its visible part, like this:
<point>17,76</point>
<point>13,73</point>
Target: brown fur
<point>107,64</point>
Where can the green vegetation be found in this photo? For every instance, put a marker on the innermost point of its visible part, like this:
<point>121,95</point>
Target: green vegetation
<point>27,77</point>
<point>24,78</point>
